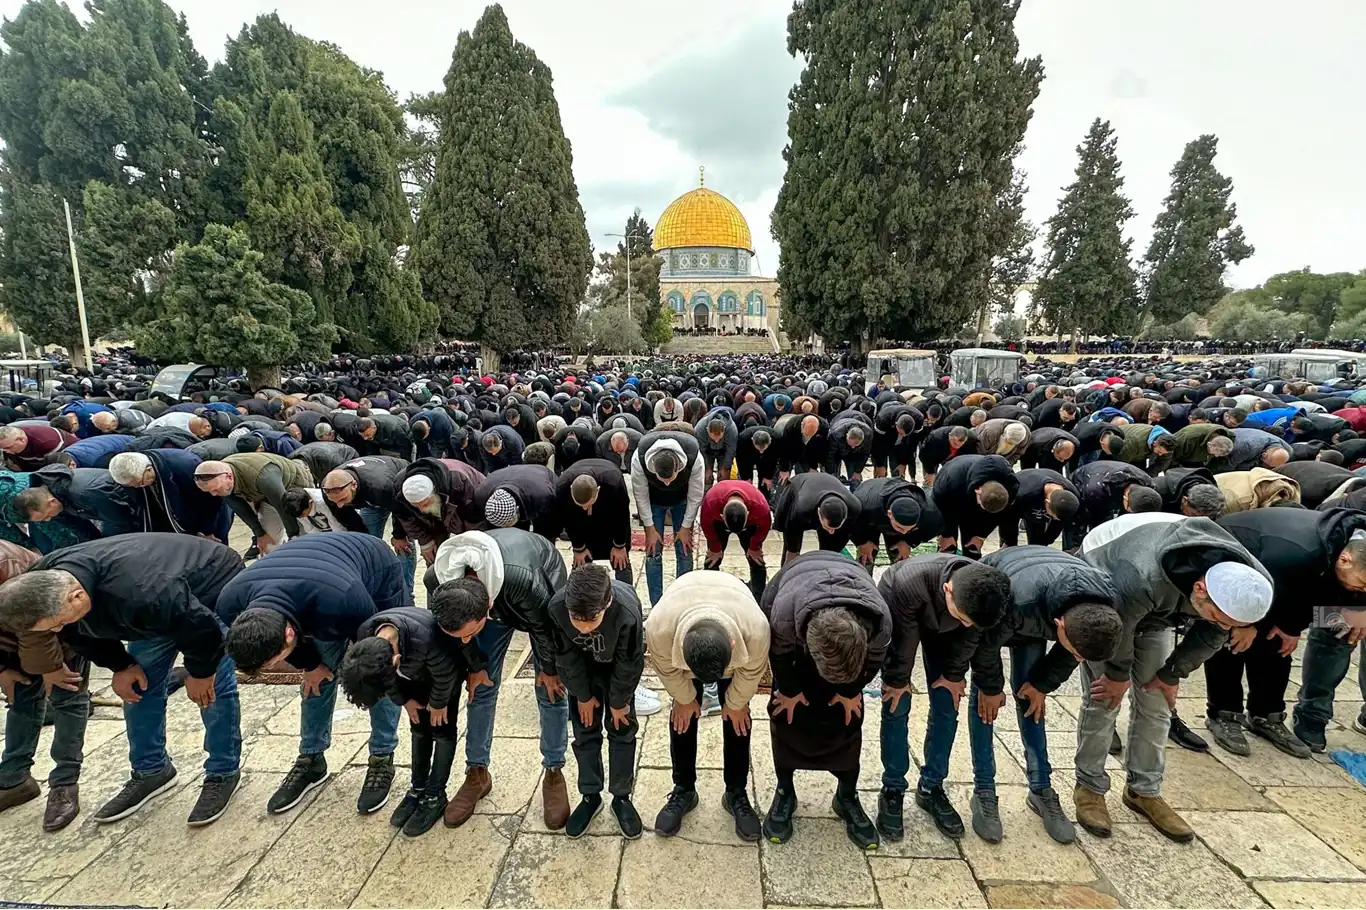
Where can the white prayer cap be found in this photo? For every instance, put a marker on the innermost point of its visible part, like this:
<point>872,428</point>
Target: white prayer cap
<point>1240,591</point>
<point>418,488</point>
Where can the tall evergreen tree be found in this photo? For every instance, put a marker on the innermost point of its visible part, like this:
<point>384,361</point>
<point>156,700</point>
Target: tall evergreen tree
<point>502,247</point>
<point>1088,285</point>
<point>903,129</point>
<point>1194,238</point>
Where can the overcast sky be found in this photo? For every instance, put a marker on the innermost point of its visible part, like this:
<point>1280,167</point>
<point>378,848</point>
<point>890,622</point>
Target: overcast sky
<point>652,89</point>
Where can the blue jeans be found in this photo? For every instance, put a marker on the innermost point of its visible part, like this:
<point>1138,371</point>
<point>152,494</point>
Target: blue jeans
<point>896,751</point>
<point>1039,772</point>
<point>493,642</point>
<point>24,723</point>
<point>1327,660</point>
<point>315,715</point>
<point>375,520</point>
<point>654,562</point>
<point>146,720</point>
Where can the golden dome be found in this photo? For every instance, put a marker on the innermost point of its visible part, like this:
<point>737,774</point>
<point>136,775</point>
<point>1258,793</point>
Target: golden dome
<point>702,218</point>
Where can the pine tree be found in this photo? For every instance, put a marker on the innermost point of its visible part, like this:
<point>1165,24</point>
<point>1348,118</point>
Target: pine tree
<point>218,307</point>
<point>501,245</point>
<point>1194,238</point>
<point>903,130</point>
<point>1088,285</point>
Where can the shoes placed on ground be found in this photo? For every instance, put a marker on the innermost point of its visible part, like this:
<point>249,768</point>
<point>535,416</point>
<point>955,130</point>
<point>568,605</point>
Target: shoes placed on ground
<point>1116,747</point>
<point>936,803</point>
<point>778,821</point>
<point>582,816</point>
<point>1092,813</point>
<point>478,783</point>
<point>405,809</point>
<point>138,792</point>
<point>628,819</point>
<point>63,804</point>
<point>736,802</point>
<point>19,794</point>
<point>857,824</point>
<point>213,799</point>
<point>1359,724</point>
<point>379,779</point>
<point>309,773</point>
<point>679,803</point>
<point>430,807</point>
<point>710,704</point>
<point>986,816</point>
<point>647,702</point>
<point>1227,730</point>
<point>1045,804</point>
<point>554,799</point>
<point>253,552</point>
<point>890,822</point>
<point>1180,733</point>
<point>1162,816</point>
<point>1272,729</point>
<point>1313,739</point>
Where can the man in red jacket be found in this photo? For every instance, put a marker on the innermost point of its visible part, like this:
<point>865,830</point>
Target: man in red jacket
<point>27,447</point>
<point>737,507</point>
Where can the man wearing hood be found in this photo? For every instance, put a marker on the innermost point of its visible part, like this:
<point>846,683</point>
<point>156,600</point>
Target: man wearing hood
<point>668,478</point>
<point>482,589</point>
<point>1191,492</point>
<point>301,605</point>
<point>1166,569</point>
<point>1108,489</point>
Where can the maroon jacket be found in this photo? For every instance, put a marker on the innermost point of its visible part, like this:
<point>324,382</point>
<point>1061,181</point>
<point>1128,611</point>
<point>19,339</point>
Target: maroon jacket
<point>42,442</point>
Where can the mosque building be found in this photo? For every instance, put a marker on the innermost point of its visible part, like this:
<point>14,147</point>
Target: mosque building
<point>706,278</point>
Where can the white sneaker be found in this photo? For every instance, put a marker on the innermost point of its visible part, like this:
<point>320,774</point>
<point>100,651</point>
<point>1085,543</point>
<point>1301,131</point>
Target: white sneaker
<point>647,702</point>
<point>711,702</point>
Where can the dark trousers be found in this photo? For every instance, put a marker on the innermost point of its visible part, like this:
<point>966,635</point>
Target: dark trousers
<point>758,573</point>
<point>426,740</point>
<point>621,748</point>
<point>24,724</point>
<point>600,550</point>
<point>1041,532</point>
<point>1268,675</point>
<point>792,539</point>
<point>734,750</point>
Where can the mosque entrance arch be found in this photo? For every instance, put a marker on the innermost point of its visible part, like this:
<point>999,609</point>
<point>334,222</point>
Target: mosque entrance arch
<point>701,316</point>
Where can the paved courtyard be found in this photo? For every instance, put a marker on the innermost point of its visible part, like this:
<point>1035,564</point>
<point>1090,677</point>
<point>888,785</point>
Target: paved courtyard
<point>1272,830</point>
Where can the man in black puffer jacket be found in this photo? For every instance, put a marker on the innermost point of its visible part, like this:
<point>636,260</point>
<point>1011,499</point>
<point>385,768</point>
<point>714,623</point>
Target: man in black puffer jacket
<point>1191,491</point>
<point>1054,597</point>
<point>971,492</point>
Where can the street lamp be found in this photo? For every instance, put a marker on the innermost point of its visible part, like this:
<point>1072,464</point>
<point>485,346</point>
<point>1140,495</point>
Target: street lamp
<point>627,238</point>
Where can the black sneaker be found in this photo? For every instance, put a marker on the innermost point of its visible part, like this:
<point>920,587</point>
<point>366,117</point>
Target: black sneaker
<point>778,822</point>
<point>1116,747</point>
<point>1227,729</point>
<point>404,810</point>
<point>736,802</point>
<point>309,773</point>
<point>857,824</point>
<point>628,819</point>
<point>670,819</point>
<point>138,792</point>
<point>936,803</point>
<point>379,778</point>
<point>583,816</point>
<point>426,813</point>
<point>890,823</point>
<point>213,798</point>
<point>1315,740</point>
<point>253,552</point>
<point>1272,729</point>
<point>1180,733</point>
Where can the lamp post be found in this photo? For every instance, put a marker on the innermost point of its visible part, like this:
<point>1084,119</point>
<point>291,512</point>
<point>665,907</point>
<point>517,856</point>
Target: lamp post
<point>627,238</point>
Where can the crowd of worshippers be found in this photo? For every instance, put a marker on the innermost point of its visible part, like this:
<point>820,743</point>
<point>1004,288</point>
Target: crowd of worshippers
<point>1206,519</point>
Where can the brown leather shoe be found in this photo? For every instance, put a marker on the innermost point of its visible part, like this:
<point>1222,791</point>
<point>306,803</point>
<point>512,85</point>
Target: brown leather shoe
<point>1162,816</point>
<point>554,799</point>
<point>63,803</point>
<point>477,785</point>
<point>1092,813</point>
<point>17,796</point>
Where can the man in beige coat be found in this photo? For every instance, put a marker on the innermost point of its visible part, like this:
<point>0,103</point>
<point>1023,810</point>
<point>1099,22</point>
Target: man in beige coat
<point>707,628</point>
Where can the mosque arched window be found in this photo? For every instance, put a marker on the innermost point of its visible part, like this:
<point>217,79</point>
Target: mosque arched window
<point>755,303</point>
<point>676,301</point>
<point>728,303</point>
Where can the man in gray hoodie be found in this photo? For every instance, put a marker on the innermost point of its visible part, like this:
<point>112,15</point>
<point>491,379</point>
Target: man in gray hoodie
<point>1167,570</point>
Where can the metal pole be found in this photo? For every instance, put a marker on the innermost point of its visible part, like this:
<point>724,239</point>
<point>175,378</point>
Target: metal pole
<point>628,276</point>
<point>80,296</point>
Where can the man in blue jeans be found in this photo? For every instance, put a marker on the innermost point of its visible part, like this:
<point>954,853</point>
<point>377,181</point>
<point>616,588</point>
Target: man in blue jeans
<point>301,605</point>
<point>1327,660</point>
<point>1055,597</point>
<point>668,480</point>
<point>484,587</point>
<point>943,601</point>
<point>157,592</point>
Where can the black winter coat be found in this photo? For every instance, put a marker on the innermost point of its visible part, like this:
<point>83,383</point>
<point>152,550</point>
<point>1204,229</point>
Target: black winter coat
<point>914,591</point>
<point>955,491</point>
<point>533,487</point>
<point>430,666</point>
<point>324,457</point>
<point>875,501</point>
<point>377,486</point>
<point>1176,483</point>
<point>1102,485</point>
<point>795,508</point>
<point>1318,480</point>
<point>91,494</point>
<point>607,663</point>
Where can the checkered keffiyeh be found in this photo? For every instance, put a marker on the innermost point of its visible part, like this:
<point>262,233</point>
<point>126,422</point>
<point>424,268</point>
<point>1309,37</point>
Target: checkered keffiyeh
<point>501,509</point>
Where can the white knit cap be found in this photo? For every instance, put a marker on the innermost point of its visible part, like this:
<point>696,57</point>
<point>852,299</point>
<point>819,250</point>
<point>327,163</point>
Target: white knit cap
<point>418,488</point>
<point>1241,592</point>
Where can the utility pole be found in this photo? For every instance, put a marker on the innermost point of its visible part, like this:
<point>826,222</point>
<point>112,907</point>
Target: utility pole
<point>626,239</point>
<point>80,295</point>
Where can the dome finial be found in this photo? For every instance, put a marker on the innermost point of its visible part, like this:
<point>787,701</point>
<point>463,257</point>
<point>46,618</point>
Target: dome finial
<point>701,176</point>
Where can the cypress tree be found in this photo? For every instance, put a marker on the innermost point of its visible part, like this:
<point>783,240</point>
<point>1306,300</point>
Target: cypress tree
<point>903,130</point>
<point>1088,285</point>
<point>1194,238</point>
<point>501,246</point>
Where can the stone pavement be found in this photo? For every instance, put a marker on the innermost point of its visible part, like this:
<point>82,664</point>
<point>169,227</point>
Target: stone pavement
<point>1272,830</point>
